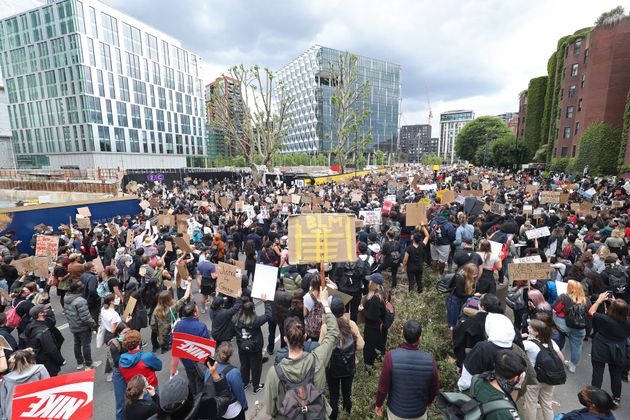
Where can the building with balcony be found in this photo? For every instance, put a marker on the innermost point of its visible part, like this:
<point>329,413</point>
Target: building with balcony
<point>89,86</point>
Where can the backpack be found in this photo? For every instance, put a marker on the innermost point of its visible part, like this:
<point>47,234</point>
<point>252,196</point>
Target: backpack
<point>102,289</point>
<point>390,314</point>
<point>395,227</point>
<point>435,234</point>
<point>460,406</point>
<point>353,276</point>
<point>571,253</point>
<point>617,281</point>
<point>549,368</point>
<point>342,360</point>
<point>301,400</point>
<point>13,319</point>
<point>446,283</point>
<point>313,321</point>
<point>576,317</point>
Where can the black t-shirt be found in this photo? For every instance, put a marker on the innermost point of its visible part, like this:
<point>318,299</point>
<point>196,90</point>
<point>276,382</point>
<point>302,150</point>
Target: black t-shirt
<point>416,257</point>
<point>111,283</point>
<point>465,256</point>
<point>610,328</point>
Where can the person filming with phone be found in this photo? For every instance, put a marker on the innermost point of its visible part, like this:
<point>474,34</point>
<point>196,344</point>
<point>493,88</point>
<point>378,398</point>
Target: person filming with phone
<point>138,408</point>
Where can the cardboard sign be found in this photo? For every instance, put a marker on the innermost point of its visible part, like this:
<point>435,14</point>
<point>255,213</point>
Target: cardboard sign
<point>192,347</point>
<point>416,214</point>
<point>39,266</point>
<point>391,187</point>
<point>166,220</point>
<point>617,204</point>
<point>428,187</point>
<point>469,193</point>
<point>537,233</point>
<point>182,270</point>
<point>3,341</point>
<point>239,206</point>
<point>229,279</point>
<point>564,198</point>
<point>182,244</point>
<point>168,246</point>
<point>295,198</point>
<point>69,396</point>
<point>344,296</point>
<point>550,197</point>
<point>46,246</point>
<point>473,178</point>
<point>447,196</point>
<point>497,208</point>
<point>265,279</point>
<point>371,217</point>
<point>530,259</point>
<point>225,203</point>
<point>144,204</point>
<point>84,223</point>
<point>23,265</point>
<point>528,209</point>
<point>129,242</point>
<point>131,305</point>
<point>356,197</point>
<point>84,211</point>
<point>322,238</point>
<point>509,183</point>
<point>528,271</point>
<point>98,264</point>
<point>182,226</point>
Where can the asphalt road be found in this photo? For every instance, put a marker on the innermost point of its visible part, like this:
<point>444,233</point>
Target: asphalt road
<point>565,395</point>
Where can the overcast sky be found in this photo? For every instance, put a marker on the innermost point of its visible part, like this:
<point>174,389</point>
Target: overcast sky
<point>466,54</point>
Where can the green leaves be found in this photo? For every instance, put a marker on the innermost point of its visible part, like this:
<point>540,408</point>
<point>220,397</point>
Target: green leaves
<point>599,148</point>
<point>473,138</point>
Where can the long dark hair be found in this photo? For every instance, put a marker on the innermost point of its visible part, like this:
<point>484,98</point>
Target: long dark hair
<point>344,329</point>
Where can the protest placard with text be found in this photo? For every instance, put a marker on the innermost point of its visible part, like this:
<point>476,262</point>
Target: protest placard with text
<point>228,279</point>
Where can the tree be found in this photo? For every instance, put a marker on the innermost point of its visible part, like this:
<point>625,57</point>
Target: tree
<point>533,120</point>
<point>431,160</point>
<point>349,106</point>
<point>610,17</point>
<point>379,157</point>
<point>478,134</point>
<point>252,120</point>
<point>599,149</point>
<point>506,151</point>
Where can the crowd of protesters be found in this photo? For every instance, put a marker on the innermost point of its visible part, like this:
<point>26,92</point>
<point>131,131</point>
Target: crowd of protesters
<point>514,341</point>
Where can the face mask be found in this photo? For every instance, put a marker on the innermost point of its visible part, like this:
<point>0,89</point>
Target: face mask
<point>583,400</point>
<point>507,385</point>
<point>120,338</point>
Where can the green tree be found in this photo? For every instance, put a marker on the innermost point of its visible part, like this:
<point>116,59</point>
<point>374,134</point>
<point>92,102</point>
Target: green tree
<point>473,138</point>
<point>379,157</point>
<point>431,160</point>
<point>506,151</point>
<point>239,161</point>
<point>599,149</point>
<point>533,120</point>
<point>611,17</point>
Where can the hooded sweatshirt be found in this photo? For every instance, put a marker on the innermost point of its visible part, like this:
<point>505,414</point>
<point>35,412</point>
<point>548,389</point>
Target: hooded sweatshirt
<point>500,333</point>
<point>584,414</point>
<point>136,362</point>
<point>11,380</point>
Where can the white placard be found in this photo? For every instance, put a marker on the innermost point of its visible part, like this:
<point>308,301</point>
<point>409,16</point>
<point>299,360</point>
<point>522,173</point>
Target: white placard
<point>427,187</point>
<point>372,217</point>
<point>265,279</point>
<point>390,198</point>
<point>537,233</point>
<point>561,287</point>
<point>495,249</point>
<point>530,259</point>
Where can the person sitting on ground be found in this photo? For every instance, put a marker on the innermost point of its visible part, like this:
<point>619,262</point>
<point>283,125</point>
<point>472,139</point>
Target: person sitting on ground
<point>598,405</point>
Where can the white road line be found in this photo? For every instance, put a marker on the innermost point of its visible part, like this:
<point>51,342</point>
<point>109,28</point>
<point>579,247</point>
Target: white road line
<point>277,338</point>
<point>62,327</point>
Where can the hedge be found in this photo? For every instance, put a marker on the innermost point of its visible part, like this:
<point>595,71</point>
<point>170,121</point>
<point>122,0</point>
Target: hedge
<point>535,108</point>
<point>599,146</point>
<point>624,135</point>
<point>551,80</point>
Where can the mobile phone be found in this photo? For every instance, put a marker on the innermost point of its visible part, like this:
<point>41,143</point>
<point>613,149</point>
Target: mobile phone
<point>210,360</point>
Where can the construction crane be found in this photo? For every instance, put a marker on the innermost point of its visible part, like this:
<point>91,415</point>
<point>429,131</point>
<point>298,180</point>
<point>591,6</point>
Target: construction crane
<point>426,92</point>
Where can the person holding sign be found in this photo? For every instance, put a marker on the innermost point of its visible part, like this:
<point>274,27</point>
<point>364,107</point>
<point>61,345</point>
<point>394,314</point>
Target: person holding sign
<point>164,316</point>
<point>249,339</point>
<point>414,259</point>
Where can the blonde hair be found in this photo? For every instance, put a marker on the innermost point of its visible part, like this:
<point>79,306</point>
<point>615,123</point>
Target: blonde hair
<point>576,292</point>
<point>618,233</point>
<point>375,289</point>
<point>21,360</point>
<point>603,252</point>
<point>469,273</point>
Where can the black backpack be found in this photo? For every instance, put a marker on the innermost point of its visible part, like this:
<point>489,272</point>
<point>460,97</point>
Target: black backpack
<point>617,281</point>
<point>576,317</point>
<point>342,360</point>
<point>549,368</point>
<point>301,400</point>
<point>353,276</point>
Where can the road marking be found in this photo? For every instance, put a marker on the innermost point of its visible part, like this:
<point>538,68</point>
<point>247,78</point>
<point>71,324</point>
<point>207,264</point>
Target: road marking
<point>62,327</point>
<point>277,338</point>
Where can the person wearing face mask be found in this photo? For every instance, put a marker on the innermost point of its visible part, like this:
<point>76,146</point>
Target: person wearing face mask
<point>499,384</point>
<point>598,405</point>
<point>114,350</point>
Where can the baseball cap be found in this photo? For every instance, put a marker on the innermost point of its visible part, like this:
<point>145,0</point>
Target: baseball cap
<point>376,278</point>
<point>36,310</point>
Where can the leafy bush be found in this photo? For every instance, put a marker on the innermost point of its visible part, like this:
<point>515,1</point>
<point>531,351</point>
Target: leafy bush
<point>429,309</point>
<point>476,134</point>
<point>535,109</point>
<point>599,148</point>
<point>624,133</point>
<point>559,164</point>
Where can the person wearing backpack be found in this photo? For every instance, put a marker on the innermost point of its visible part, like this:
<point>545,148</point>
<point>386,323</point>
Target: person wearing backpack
<point>238,403</point>
<point>610,343</point>
<point>409,378</point>
<point>442,235</point>
<point>81,325</point>
<point>392,257</point>
<point>340,372</point>
<point>570,318</point>
<point>374,312</point>
<point>302,372</point>
<point>313,310</point>
<point>464,287</point>
<point>616,278</point>
<point>547,359</point>
<point>413,262</point>
<point>90,285</point>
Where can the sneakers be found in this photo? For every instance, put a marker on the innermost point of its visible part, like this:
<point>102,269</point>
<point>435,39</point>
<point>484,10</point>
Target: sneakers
<point>80,366</point>
<point>94,365</point>
<point>108,377</point>
<point>617,401</point>
<point>245,386</point>
<point>570,366</point>
<point>258,388</point>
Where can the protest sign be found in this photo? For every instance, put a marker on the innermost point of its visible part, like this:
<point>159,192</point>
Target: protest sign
<point>561,287</point>
<point>510,183</point>
<point>550,197</point>
<point>166,220</point>
<point>416,214</point>
<point>182,226</point>
<point>617,204</point>
<point>468,193</point>
<point>497,208</point>
<point>391,187</point>
<point>83,222</point>
<point>371,217</point>
<point>129,241</point>
<point>295,198</point>
<point>182,244</point>
<point>98,264</point>
<point>528,271</point>
<point>238,207</point>
<point>344,296</point>
<point>68,397</point>
<point>322,238</point>
<point>265,279</point>
<point>356,197</point>
<point>40,266</point>
<point>390,198</point>
<point>168,246</point>
<point>144,204</point>
<point>131,305</point>
<point>537,233</point>
<point>192,347</point>
<point>225,203</point>
<point>564,198</point>
<point>46,246</point>
<point>84,211</point>
<point>228,280</point>
<point>528,209</point>
<point>427,187</point>
<point>182,270</point>
<point>3,341</point>
<point>531,189</point>
<point>23,265</point>
<point>447,196</point>
<point>530,259</point>
<point>306,199</point>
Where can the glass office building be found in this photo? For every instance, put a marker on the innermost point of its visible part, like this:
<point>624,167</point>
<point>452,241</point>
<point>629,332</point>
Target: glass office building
<point>89,86</point>
<point>308,80</point>
<point>451,123</point>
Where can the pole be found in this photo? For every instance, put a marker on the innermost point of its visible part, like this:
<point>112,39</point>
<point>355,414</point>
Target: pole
<point>321,268</point>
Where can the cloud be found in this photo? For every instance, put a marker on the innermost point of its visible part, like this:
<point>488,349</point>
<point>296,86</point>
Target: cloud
<point>465,54</point>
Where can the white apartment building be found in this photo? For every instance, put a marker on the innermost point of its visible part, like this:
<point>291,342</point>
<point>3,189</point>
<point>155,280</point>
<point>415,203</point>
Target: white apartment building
<point>451,123</point>
<point>89,86</point>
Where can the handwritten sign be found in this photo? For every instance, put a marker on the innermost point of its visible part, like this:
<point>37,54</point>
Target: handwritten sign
<point>84,211</point>
<point>497,208</point>
<point>131,305</point>
<point>166,220</point>
<point>416,214</point>
<point>182,244</point>
<point>322,238</point>
<point>129,242</point>
<point>447,196</point>
<point>550,197</point>
<point>371,217</point>
<point>228,279</point>
<point>528,271</point>
<point>47,246</point>
<point>537,233</point>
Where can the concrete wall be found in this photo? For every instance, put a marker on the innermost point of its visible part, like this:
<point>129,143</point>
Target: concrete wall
<point>54,196</point>
<point>115,160</point>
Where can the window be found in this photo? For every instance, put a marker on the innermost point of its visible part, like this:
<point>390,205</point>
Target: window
<point>119,136</point>
<point>567,132</point>
<point>579,104</point>
<point>119,65</point>
<point>157,80</point>
<point>159,116</point>
<point>73,114</point>
<point>148,118</point>
<point>564,152</point>
<point>134,143</point>
<point>577,47</point>
<point>573,152</point>
<point>104,140</point>
<point>586,56</point>
<point>101,84</point>
<point>152,45</point>
<point>571,91</point>
<point>106,57</point>
<point>123,83</point>
<point>140,92</point>
<point>49,21</point>
<point>570,110</point>
<point>577,127</point>
<point>112,88</point>
<point>121,109</point>
<point>93,22</point>
<point>110,115</point>
<point>110,28</point>
<point>574,69</point>
<point>133,66</point>
<point>36,25</point>
<point>166,59</point>
<point>136,121</point>
<point>133,39</point>
<point>91,52</point>
<point>583,80</point>
<point>66,18</point>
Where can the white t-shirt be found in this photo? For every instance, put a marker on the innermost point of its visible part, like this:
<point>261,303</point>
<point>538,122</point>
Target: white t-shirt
<point>532,349</point>
<point>108,318</point>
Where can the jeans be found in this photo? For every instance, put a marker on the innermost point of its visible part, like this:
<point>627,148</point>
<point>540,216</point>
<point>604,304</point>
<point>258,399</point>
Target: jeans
<point>335,387</point>
<point>392,416</point>
<point>415,280</point>
<point>538,394</point>
<point>615,377</point>
<point>453,309</point>
<point>576,338</point>
<point>195,381</point>
<point>82,347</point>
<point>120,387</point>
<point>271,338</point>
<point>251,362</point>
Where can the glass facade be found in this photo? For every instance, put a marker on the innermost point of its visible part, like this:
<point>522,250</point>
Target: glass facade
<point>451,123</point>
<point>66,63</point>
<point>312,121</point>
